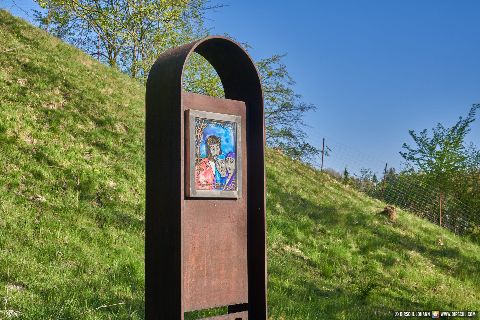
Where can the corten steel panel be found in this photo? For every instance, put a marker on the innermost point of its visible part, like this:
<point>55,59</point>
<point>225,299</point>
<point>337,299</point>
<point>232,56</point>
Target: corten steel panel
<point>165,201</point>
<point>215,230</point>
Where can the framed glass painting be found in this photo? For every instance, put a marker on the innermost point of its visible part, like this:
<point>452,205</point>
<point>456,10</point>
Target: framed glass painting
<point>214,151</point>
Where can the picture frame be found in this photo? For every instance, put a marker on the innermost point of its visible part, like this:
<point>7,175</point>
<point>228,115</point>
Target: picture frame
<point>214,155</point>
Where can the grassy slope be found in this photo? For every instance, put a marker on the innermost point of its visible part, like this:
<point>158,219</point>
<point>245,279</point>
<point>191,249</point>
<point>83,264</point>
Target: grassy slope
<point>331,255</point>
<point>71,209</point>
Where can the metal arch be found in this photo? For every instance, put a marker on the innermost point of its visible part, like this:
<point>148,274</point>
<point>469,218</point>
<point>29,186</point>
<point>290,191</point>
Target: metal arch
<point>164,173</point>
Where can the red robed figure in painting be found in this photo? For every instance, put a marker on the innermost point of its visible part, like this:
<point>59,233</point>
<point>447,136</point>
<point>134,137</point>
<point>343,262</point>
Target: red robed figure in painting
<point>205,168</point>
<point>204,175</point>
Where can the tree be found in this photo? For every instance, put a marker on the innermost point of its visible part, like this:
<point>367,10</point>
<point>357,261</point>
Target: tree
<point>128,34</point>
<point>200,77</point>
<point>444,161</point>
<point>346,176</point>
<point>131,34</point>
<point>364,180</point>
<point>442,155</point>
<point>284,110</point>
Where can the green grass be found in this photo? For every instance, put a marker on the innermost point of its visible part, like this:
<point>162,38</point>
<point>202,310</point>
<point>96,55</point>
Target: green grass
<point>333,256</point>
<point>72,209</point>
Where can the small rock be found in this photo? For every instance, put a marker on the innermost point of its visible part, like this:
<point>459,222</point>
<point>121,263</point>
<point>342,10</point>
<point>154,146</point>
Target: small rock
<point>38,198</point>
<point>390,212</point>
<point>14,287</point>
<point>22,82</point>
<point>10,313</point>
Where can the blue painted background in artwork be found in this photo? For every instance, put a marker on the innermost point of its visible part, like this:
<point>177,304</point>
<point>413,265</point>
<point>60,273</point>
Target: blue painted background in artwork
<point>226,133</point>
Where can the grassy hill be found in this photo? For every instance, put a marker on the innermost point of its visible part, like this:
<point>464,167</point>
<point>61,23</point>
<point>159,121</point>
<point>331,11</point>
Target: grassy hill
<point>72,209</point>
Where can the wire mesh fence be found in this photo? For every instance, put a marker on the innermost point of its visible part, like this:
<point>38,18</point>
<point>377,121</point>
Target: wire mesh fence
<point>405,189</point>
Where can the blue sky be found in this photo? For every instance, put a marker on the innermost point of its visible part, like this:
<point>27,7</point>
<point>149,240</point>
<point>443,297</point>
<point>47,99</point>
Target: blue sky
<point>374,69</point>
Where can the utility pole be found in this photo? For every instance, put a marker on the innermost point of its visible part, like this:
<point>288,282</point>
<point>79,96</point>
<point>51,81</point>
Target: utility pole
<point>323,153</point>
<point>98,47</point>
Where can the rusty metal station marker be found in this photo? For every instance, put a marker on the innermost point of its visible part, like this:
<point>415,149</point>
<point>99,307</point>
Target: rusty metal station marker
<point>204,252</point>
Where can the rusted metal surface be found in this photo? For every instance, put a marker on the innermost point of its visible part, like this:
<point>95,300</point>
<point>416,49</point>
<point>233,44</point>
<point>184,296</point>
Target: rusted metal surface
<point>232,316</point>
<point>203,253</point>
<point>215,231</point>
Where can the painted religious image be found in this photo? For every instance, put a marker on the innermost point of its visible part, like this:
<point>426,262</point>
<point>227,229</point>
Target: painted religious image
<point>215,154</point>
<point>215,160</point>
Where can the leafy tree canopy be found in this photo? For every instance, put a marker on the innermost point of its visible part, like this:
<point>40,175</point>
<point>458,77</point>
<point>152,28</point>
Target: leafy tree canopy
<point>443,153</point>
<point>131,34</point>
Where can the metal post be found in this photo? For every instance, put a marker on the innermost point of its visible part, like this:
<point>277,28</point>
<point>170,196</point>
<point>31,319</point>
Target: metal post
<point>441,196</point>
<point>383,181</point>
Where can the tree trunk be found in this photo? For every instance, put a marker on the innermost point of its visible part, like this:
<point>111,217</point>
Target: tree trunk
<point>133,67</point>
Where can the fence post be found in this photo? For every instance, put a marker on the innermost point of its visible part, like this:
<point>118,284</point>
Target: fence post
<point>441,196</point>
<point>383,181</point>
